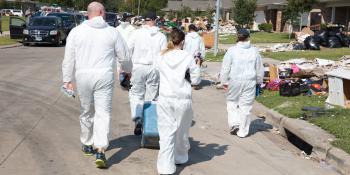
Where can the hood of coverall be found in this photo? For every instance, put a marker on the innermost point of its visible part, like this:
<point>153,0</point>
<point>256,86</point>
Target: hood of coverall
<point>244,45</point>
<point>193,35</point>
<point>153,30</point>
<point>172,60</point>
<point>96,22</point>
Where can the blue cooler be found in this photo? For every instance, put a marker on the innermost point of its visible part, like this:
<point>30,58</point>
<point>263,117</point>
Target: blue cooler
<point>150,135</point>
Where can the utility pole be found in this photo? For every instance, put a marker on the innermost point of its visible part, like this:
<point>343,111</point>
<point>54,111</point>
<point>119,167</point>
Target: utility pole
<point>216,37</point>
<point>138,9</point>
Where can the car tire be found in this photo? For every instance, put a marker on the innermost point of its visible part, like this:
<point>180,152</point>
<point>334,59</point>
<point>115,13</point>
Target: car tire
<point>58,43</point>
<point>25,44</point>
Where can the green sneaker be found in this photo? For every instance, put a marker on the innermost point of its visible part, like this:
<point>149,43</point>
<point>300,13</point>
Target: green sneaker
<point>88,150</point>
<point>101,161</point>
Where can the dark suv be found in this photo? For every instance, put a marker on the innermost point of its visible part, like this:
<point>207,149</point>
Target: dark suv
<point>44,30</point>
<point>69,20</point>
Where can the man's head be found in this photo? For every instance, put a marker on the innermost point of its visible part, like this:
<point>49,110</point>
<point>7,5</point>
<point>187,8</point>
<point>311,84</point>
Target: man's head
<point>150,18</point>
<point>127,17</point>
<point>243,35</point>
<point>192,28</point>
<point>96,9</point>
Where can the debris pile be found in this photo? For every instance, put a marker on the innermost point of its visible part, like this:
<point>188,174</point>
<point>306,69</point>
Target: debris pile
<point>227,27</point>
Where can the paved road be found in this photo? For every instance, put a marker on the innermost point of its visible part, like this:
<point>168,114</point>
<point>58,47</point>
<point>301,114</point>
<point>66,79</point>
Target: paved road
<point>39,130</point>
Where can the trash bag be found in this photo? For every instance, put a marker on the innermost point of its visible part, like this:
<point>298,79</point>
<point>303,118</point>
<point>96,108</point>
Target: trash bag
<point>298,46</point>
<point>346,41</point>
<point>323,35</point>
<point>334,42</point>
<point>312,43</point>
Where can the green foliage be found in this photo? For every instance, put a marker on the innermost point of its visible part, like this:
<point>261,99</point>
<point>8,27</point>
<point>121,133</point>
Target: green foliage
<point>185,12</point>
<point>266,27</point>
<point>131,6</point>
<point>3,4</point>
<point>295,8</point>
<point>243,12</point>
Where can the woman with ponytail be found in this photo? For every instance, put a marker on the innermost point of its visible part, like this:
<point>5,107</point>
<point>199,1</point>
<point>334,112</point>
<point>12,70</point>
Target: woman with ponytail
<point>175,103</point>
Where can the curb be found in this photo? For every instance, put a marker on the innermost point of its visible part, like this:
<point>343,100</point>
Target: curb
<point>318,138</point>
<point>11,46</point>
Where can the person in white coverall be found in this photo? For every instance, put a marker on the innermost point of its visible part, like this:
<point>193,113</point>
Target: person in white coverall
<point>91,50</point>
<point>125,28</point>
<point>174,107</point>
<point>145,45</point>
<point>242,69</point>
<point>194,43</point>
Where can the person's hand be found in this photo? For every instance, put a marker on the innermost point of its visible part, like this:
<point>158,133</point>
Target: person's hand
<point>225,86</point>
<point>69,86</point>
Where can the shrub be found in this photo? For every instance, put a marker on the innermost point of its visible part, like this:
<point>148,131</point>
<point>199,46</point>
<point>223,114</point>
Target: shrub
<point>265,27</point>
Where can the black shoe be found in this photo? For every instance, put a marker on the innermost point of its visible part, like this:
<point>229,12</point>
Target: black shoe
<point>138,126</point>
<point>88,150</point>
<point>101,161</point>
<point>234,130</point>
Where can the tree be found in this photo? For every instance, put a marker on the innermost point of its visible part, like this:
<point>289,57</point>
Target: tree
<point>3,4</point>
<point>243,12</point>
<point>295,8</point>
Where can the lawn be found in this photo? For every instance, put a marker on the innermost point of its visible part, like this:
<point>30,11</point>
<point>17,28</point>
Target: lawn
<point>331,54</point>
<point>5,23</point>
<point>336,122</point>
<point>258,37</point>
<point>211,58</point>
<point>5,40</point>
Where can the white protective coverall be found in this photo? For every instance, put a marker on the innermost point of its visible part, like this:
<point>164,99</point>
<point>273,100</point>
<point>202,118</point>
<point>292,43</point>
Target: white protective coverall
<point>174,108</point>
<point>145,45</point>
<point>125,29</point>
<point>242,68</point>
<point>194,44</point>
<point>91,50</point>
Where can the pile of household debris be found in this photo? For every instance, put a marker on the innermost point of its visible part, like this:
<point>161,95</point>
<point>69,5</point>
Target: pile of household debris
<point>227,27</point>
<point>332,37</point>
<point>318,77</point>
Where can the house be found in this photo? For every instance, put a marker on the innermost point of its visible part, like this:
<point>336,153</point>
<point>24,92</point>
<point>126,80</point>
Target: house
<point>324,12</point>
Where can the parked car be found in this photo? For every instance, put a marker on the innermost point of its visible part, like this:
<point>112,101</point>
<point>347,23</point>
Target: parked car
<point>17,12</point>
<point>69,20</point>
<point>80,17</point>
<point>111,19</point>
<point>44,30</point>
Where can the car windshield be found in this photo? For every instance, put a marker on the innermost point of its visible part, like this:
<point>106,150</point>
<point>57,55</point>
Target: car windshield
<point>43,22</point>
<point>65,17</point>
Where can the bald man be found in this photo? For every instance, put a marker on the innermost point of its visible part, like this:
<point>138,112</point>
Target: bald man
<point>92,49</point>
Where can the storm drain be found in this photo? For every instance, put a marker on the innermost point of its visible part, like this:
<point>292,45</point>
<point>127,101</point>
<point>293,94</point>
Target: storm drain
<point>298,142</point>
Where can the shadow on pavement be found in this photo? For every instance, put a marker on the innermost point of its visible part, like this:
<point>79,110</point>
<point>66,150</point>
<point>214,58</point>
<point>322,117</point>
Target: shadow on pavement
<point>201,152</point>
<point>258,125</point>
<point>127,144</point>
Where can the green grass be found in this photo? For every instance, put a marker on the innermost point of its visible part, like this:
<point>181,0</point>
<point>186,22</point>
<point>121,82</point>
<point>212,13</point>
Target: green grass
<point>211,58</point>
<point>5,40</point>
<point>5,23</point>
<point>337,121</point>
<point>331,54</point>
<point>258,37</point>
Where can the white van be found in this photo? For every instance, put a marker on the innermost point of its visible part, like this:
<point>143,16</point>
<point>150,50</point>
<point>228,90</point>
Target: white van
<point>12,12</point>
<point>17,12</point>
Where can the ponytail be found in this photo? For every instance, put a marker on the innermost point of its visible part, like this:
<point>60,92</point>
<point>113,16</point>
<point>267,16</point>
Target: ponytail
<point>169,48</point>
<point>176,37</point>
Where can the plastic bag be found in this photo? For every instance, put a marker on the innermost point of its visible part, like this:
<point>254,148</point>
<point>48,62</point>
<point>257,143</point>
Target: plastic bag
<point>334,42</point>
<point>312,43</point>
<point>323,35</point>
